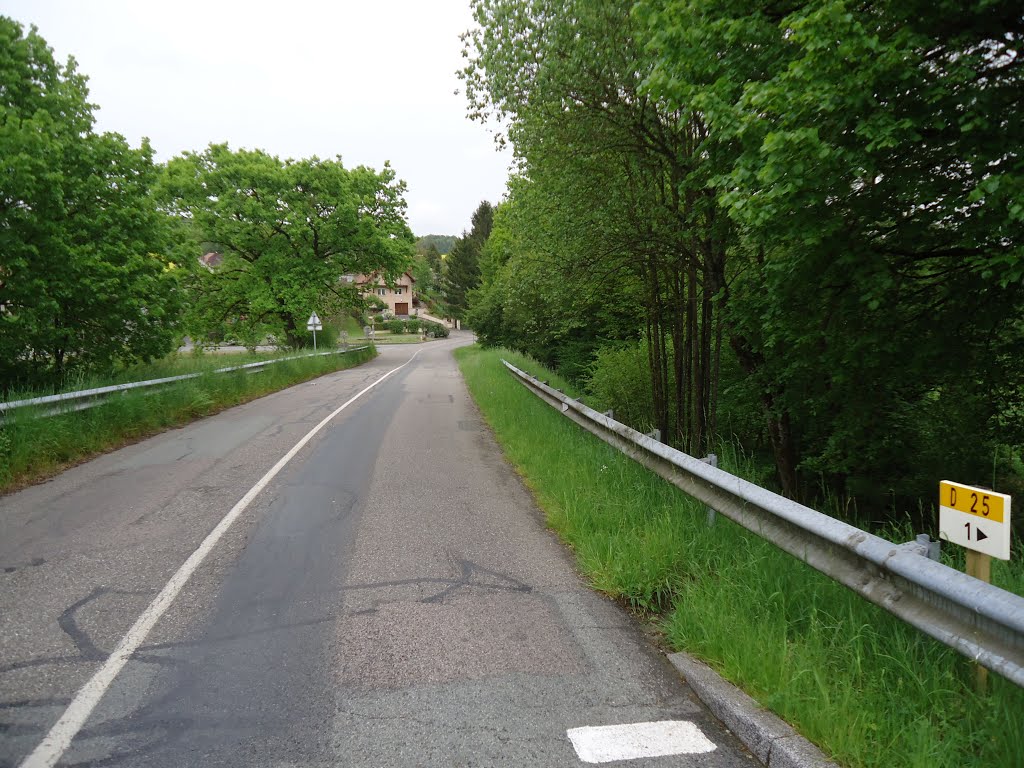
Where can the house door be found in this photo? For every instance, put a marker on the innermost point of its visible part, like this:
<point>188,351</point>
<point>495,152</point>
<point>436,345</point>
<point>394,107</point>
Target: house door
<point>402,309</point>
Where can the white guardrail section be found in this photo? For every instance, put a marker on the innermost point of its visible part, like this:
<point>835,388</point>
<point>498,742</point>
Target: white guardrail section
<point>99,392</point>
<point>983,622</point>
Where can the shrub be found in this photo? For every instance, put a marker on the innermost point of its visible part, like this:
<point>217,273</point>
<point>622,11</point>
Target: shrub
<point>395,326</point>
<point>619,380</point>
<point>325,339</point>
<point>412,326</point>
<point>434,330</point>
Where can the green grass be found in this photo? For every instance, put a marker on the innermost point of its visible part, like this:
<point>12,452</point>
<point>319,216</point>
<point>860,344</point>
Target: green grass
<point>350,325</point>
<point>174,364</point>
<point>33,448</point>
<point>867,688</point>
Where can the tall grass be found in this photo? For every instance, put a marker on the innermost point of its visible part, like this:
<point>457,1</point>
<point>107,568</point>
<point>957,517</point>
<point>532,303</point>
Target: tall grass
<point>174,364</point>
<point>864,686</point>
<point>33,447</point>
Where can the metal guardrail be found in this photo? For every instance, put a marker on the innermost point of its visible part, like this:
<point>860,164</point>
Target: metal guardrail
<point>99,392</point>
<point>982,622</point>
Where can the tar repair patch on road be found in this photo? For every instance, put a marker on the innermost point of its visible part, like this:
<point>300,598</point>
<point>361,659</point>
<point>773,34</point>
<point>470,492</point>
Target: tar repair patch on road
<point>607,743</point>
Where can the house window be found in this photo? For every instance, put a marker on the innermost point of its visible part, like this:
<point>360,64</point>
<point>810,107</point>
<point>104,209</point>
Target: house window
<point>399,291</point>
<point>382,291</point>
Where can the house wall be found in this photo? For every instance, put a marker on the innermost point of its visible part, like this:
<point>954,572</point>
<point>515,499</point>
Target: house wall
<point>402,292</point>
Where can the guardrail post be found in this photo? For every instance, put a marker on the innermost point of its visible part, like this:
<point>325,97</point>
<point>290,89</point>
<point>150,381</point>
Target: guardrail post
<point>934,546</point>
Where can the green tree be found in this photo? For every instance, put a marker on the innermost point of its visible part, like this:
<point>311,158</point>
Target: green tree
<point>620,189</point>
<point>426,270</point>
<point>83,279</point>
<point>870,155</point>
<point>532,299</point>
<point>288,231</point>
<point>833,188</point>
<point>433,258</point>
<point>462,266</point>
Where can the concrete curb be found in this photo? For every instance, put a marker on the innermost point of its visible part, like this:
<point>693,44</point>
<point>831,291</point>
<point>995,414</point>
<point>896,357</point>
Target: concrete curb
<point>768,737</point>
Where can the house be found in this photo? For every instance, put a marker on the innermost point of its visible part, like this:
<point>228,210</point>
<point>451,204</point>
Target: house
<point>211,260</point>
<point>398,296</point>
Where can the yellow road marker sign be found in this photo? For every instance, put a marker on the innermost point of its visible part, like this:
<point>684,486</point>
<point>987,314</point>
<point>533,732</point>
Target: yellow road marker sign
<point>976,518</point>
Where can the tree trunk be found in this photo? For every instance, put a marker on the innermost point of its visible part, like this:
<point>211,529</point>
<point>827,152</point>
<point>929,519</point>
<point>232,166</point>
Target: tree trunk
<point>678,343</point>
<point>716,376</point>
<point>656,350</point>
<point>714,293</point>
<point>291,332</point>
<point>784,448</point>
<point>695,395</point>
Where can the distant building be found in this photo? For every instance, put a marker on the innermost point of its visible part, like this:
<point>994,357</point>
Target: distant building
<point>211,260</point>
<point>399,296</point>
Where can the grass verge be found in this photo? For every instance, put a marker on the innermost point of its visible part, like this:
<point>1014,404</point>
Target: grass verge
<point>174,364</point>
<point>867,688</point>
<point>33,448</point>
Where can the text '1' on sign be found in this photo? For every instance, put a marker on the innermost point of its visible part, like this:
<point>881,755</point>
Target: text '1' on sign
<point>975,518</point>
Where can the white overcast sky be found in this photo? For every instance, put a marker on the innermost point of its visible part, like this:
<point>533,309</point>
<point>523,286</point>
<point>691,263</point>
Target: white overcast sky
<point>371,81</point>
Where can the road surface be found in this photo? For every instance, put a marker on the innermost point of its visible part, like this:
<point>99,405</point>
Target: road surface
<point>390,597</point>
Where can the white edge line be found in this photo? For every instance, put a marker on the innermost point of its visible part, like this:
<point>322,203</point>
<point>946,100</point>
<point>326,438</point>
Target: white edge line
<point>70,723</point>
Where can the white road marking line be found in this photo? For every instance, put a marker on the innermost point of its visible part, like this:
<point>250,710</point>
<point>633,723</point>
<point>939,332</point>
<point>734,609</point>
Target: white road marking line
<point>64,730</point>
<point>607,743</point>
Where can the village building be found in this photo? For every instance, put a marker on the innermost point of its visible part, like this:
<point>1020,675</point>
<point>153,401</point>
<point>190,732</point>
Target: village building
<point>399,295</point>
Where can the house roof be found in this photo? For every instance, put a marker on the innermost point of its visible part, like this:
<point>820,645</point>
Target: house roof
<point>375,276</point>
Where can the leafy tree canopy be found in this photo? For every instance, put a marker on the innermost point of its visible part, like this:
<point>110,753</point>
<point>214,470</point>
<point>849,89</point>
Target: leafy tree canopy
<point>83,278</point>
<point>870,153</point>
<point>817,201</point>
<point>288,231</point>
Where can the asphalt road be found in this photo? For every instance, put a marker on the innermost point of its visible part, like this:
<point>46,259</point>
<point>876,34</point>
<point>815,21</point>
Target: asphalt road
<point>390,598</point>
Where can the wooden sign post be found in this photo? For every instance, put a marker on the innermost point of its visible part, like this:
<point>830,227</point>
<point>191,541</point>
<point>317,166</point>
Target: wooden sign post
<point>979,566</point>
<point>978,519</point>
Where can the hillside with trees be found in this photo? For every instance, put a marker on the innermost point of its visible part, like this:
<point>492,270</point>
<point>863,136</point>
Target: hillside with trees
<point>798,229</point>
<point>441,243</point>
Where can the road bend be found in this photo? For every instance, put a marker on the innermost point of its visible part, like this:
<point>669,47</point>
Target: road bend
<point>390,597</point>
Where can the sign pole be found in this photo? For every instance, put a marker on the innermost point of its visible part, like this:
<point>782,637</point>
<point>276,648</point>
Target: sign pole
<point>313,324</point>
<point>979,565</point>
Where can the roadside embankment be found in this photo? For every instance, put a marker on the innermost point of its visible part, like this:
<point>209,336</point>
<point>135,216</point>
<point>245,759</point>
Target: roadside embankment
<point>868,689</point>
